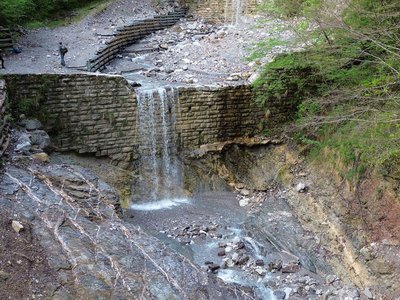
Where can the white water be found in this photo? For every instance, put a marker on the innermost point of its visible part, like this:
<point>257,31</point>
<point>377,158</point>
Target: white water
<point>240,278</point>
<point>233,11</point>
<point>161,204</point>
<point>160,172</point>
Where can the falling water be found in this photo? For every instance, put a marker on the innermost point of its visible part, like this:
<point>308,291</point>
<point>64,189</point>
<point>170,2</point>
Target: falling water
<point>233,11</point>
<point>160,172</point>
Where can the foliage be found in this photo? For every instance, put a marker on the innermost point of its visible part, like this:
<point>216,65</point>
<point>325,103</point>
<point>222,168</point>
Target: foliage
<point>38,11</point>
<point>288,77</point>
<point>347,80</point>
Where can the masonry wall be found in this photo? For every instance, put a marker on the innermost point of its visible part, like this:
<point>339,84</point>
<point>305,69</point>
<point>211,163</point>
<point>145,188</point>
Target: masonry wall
<point>209,115</point>
<point>84,113</point>
<point>3,119</point>
<point>97,113</point>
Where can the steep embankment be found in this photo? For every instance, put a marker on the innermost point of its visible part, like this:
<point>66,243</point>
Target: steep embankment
<point>345,88</point>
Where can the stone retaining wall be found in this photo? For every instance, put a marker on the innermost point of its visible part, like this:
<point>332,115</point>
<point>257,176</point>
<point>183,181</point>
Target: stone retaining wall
<point>83,113</point>
<point>97,113</point>
<point>3,119</point>
<point>128,35</point>
<point>209,115</point>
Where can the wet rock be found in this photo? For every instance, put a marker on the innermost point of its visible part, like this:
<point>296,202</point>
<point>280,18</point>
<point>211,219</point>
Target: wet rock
<point>260,271</point>
<point>213,267</point>
<point>260,262</point>
<point>229,262</point>
<point>17,226</point>
<point>240,245</point>
<point>23,143</point>
<point>31,124</point>
<point>279,294</point>
<point>244,258</point>
<point>41,139</point>
<point>287,291</point>
<point>221,252</point>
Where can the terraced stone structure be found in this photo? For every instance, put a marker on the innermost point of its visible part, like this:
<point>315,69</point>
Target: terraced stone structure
<point>96,114</point>
<point>128,35</point>
<point>6,41</point>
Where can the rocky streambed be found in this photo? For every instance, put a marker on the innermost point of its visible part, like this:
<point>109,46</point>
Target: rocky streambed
<point>67,236</point>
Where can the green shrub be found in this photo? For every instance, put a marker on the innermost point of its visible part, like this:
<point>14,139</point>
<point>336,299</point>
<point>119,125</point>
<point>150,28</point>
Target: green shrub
<point>290,77</point>
<point>24,11</point>
<point>346,83</point>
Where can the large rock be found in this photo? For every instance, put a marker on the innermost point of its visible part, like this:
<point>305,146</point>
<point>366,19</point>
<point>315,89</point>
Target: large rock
<point>31,124</point>
<point>41,139</point>
<point>23,143</point>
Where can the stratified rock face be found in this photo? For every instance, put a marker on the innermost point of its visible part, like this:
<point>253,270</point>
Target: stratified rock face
<point>87,250</point>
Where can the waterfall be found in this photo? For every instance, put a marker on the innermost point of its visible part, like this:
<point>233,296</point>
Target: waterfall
<point>234,10</point>
<point>160,171</point>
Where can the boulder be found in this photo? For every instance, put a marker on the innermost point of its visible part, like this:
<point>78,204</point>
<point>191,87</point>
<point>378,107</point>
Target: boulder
<point>40,138</point>
<point>23,143</point>
<point>31,124</point>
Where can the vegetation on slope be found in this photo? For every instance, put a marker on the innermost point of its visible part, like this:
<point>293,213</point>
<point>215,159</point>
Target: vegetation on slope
<point>346,81</point>
<point>40,12</point>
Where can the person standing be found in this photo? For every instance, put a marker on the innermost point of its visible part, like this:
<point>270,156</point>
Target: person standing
<point>63,50</point>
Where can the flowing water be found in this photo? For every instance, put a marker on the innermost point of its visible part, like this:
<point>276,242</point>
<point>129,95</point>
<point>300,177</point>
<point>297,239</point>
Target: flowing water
<point>160,171</point>
<point>233,11</point>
